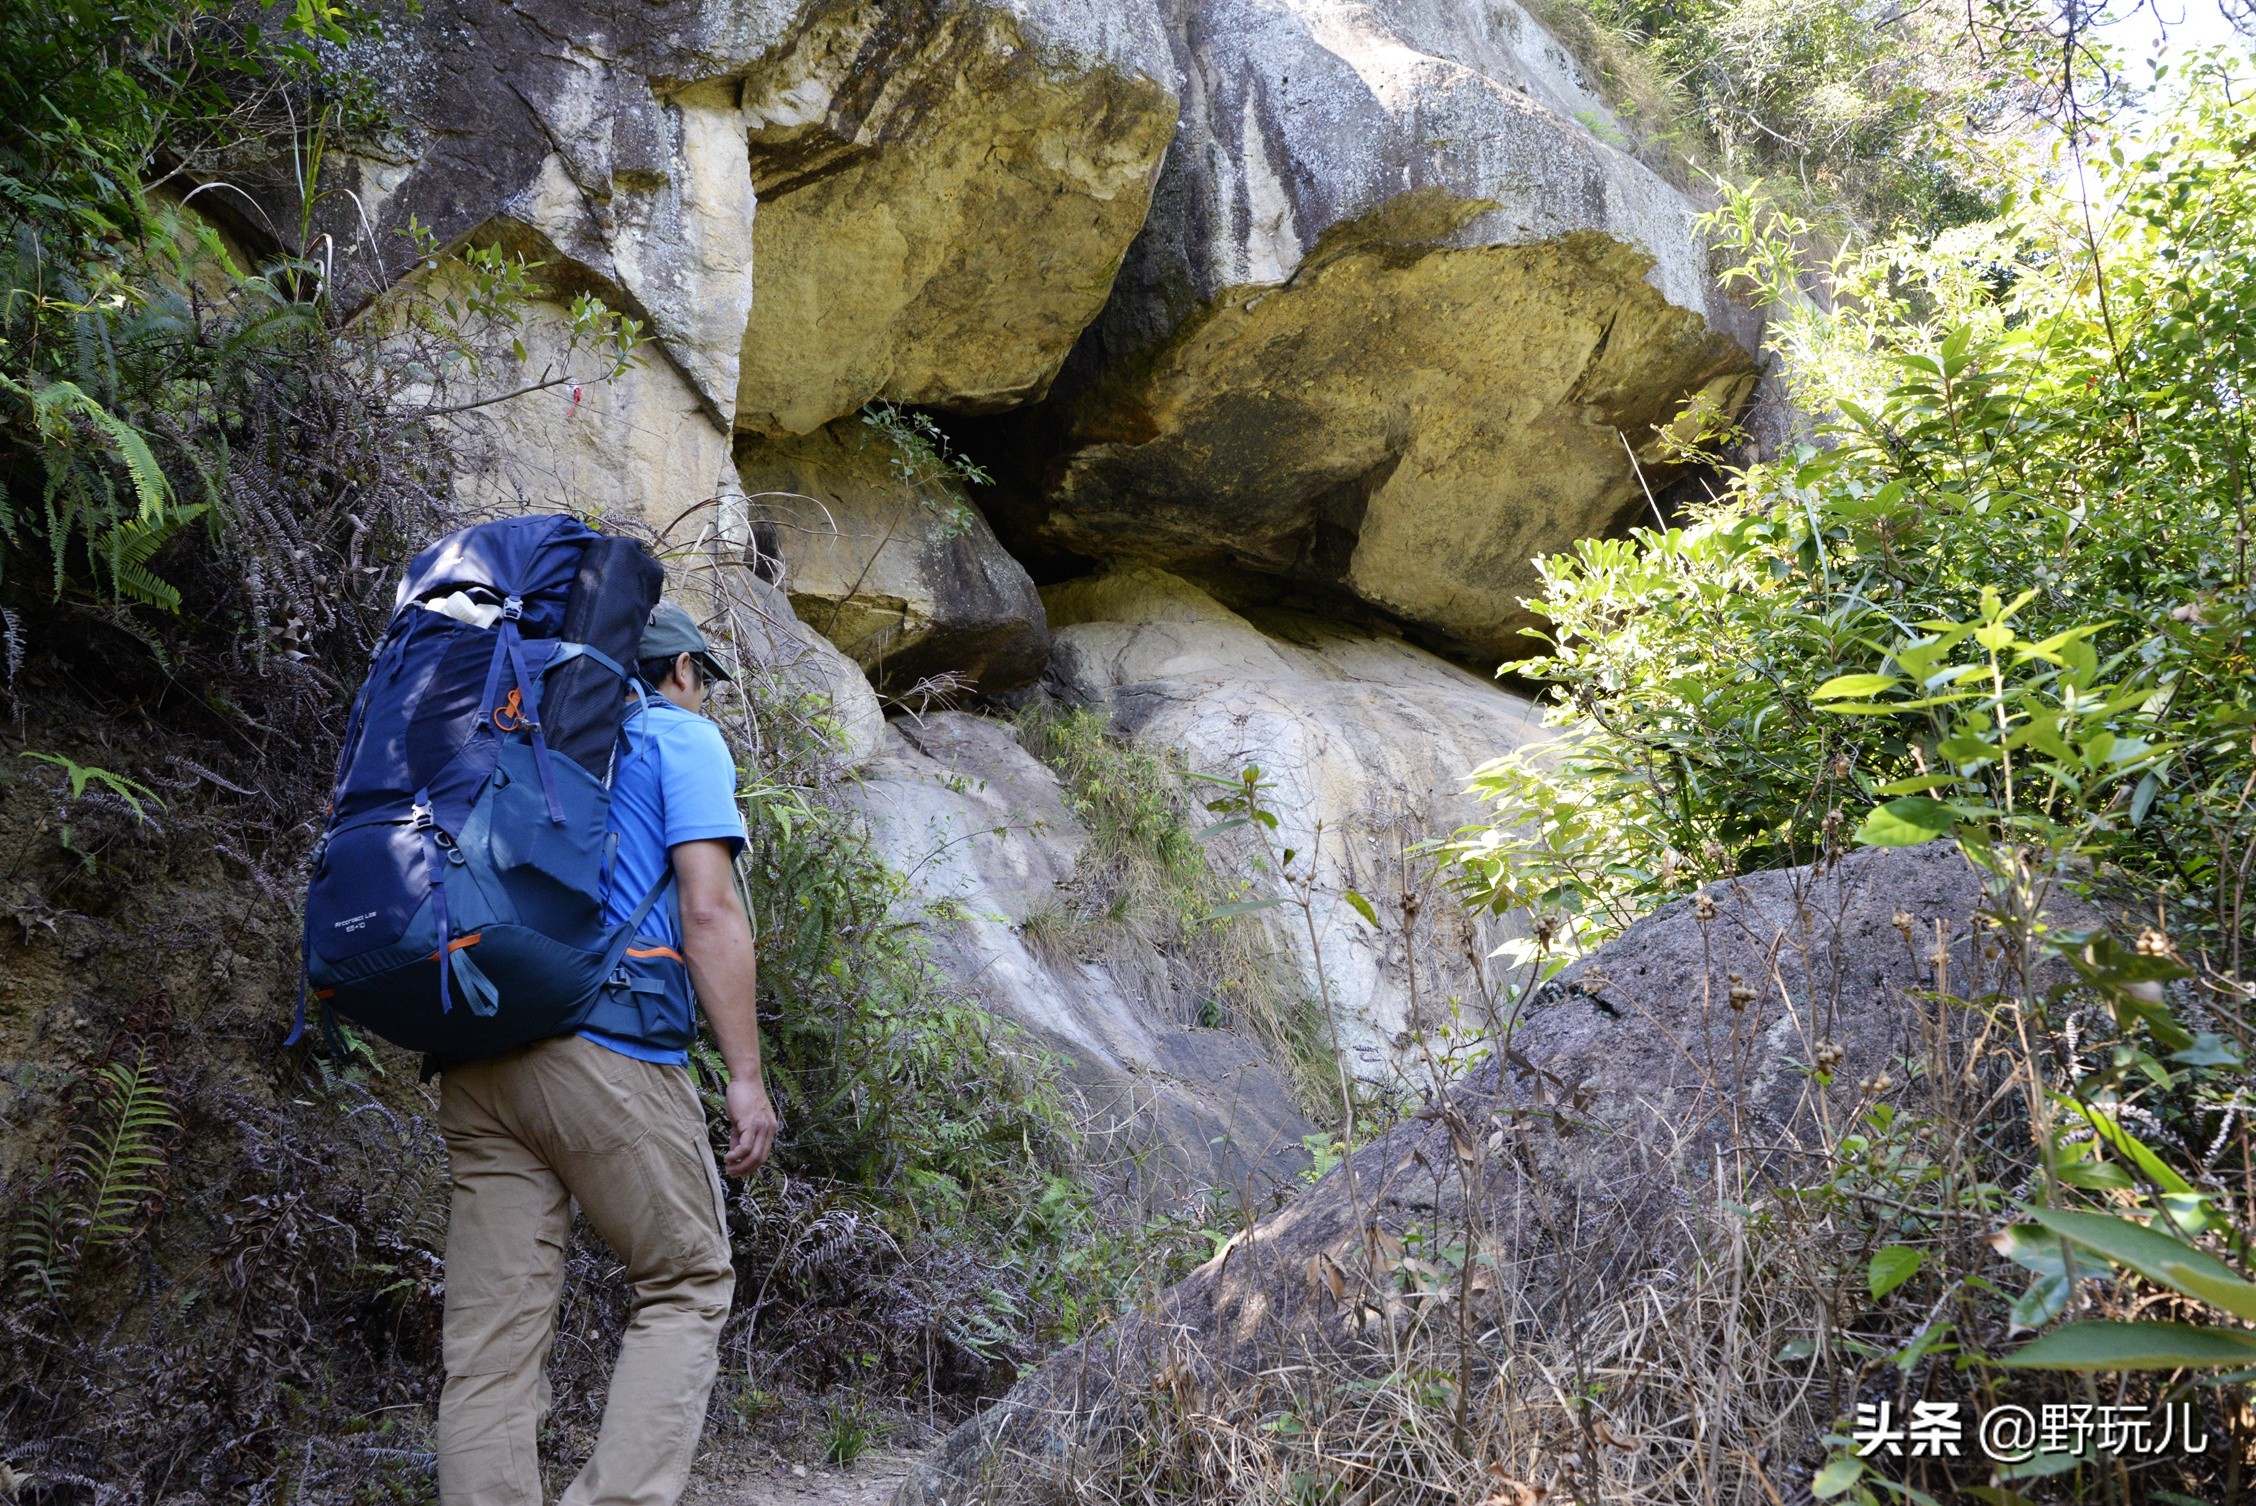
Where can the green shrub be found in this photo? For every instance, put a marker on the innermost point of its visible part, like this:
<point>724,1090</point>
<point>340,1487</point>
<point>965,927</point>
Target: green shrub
<point>1869,117</point>
<point>2007,603</point>
<point>2002,424</point>
<point>1146,883</point>
<point>120,396</point>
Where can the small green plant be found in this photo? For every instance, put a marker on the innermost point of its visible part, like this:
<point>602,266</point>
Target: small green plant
<point>928,466</point>
<point>848,1429</point>
<point>132,792</point>
<point>1602,128</point>
<point>108,1181</point>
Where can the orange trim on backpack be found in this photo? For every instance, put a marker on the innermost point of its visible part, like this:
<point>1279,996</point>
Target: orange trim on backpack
<point>459,943</point>
<point>657,951</point>
<point>325,994</point>
<point>513,708</point>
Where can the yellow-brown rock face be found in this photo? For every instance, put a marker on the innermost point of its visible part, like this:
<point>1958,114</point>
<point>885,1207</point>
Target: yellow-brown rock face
<point>945,194</point>
<point>1397,309</point>
<point>904,575</point>
<point>1416,428</point>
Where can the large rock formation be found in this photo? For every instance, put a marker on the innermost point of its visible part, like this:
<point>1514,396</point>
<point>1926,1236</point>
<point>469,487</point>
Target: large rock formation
<point>1365,742</point>
<point>1580,1162</point>
<point>888,559</point>
<point>1394,321</point>
<point>988,843</point>
<point>946,191</point>
<point>952,184</point>
<point>1392,315</point>
<point>1397,322</point>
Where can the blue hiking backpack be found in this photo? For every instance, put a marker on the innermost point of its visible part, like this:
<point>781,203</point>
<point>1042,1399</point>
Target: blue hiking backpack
<point>456,902</point>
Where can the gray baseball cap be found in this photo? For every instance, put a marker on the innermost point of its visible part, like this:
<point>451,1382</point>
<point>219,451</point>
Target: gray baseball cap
<point>673,631</point>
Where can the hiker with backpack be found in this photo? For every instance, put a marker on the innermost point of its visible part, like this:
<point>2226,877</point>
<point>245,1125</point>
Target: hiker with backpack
<point>529,875</point>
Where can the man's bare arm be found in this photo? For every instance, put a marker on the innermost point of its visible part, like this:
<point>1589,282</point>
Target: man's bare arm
<point>717,941</point>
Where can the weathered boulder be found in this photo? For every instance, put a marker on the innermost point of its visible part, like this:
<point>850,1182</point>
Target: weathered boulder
<point>1398,319</point>
<point>768,640</point>
<point>979,827</point>
<point>1579,1161</point>
<point>899,570</point>
<point>952,186</point>
<point>946,189</point>
<point>1365,741</point>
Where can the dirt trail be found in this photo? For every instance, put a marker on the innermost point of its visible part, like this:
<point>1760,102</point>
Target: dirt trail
<point>870,1481</point>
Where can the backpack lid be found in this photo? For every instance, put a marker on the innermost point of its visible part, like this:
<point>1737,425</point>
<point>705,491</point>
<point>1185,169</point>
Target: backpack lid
<point>513,556</point>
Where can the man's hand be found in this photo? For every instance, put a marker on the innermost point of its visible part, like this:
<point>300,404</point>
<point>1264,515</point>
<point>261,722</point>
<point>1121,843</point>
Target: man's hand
<point>752,1126</point>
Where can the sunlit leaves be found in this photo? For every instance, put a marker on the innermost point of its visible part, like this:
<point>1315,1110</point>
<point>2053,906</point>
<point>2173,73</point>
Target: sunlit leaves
<point>1906,822</point>
<point>2110,1345</point>
<point>1891,1266</point>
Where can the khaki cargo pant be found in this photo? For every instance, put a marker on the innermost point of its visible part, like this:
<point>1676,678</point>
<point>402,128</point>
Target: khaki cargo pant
<point>528,1133</point>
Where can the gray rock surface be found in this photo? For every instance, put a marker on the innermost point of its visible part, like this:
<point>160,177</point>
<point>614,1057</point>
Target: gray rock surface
<point>1366,742</point>
<point>770,640</point>
<point>605,142</point>
<point>902,574</point>
<point>1627,1074</point>
<point>979,827</point>
<point>1397,310</point>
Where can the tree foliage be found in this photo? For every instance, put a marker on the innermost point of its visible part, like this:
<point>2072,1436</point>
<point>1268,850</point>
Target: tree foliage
<point>1872,117</point>
<point>2017,411</point>
<point>2003,598</point>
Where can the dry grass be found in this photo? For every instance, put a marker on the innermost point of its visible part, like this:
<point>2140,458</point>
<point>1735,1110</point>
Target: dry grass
<point>1144,900</point>
<point>1592,1292</point>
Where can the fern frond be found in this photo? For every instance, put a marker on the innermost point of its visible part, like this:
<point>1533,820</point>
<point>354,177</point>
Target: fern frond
<point>117,1154</point>
<point>55,404</point>
<point>131,791</point>
<point>127,548</point>
<point>137,582</point>
<point>40,1260</point>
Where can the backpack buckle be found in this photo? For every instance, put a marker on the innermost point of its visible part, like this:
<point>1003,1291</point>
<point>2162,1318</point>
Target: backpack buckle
<point>512,609</point>
<point>419,818</point>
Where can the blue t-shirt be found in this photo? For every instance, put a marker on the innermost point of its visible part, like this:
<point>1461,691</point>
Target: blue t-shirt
<point>674,782</point>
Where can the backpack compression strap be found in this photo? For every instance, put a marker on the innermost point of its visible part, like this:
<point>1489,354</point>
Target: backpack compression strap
<point>454,961</point>
<point>617,951</point>
<point>510,640</point>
